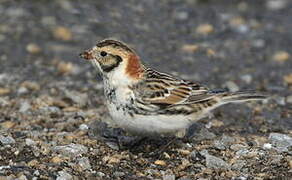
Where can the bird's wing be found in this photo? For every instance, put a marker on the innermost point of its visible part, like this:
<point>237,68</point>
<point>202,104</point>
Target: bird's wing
<point>164,90</point>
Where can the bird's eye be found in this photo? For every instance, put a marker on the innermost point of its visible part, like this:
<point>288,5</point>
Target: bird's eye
<point>103,53</point>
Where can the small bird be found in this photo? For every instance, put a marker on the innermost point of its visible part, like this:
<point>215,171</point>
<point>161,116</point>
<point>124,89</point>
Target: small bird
<point>146,102</point>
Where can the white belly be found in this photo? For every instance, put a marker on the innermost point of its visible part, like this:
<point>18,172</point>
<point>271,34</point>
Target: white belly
<point>149,124</point>
<point>143,124</point>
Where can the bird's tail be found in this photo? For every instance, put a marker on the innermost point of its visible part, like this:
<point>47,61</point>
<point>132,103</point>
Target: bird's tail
<point>241,97</point>
<point>223,97</point>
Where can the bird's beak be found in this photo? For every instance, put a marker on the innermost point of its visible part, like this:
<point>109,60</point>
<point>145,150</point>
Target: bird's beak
<point>87,55</point>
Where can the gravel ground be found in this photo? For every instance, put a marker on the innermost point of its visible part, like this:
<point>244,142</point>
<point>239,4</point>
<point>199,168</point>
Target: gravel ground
<point>51,100</point>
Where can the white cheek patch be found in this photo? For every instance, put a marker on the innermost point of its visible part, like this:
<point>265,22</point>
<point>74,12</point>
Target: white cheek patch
<point>96,65</point>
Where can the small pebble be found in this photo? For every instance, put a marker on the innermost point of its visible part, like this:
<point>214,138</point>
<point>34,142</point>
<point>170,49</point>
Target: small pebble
<point>280,141</point>
<point>115,159</point>
<point>22,90</point>
<point>65,67</point>
<point>5,140</point>
<point>239,24</point>
<point>275,5</point>
<point>243,29</point>
<point>211,52</point>
<point>77,97</point>
<point>56,160</point>
<point>181,15</point>
<point>2,38</point>
<point>4,77</point>
<point>113,145</point>
<point>50,109</point>
<point>289,99</point>
<point>258,43</point>
<point>287,79</point>
<point>184,164</point>
<point>36,173</point>
<point>216,163</point>
<point>237,147</point>
<point>3,102</point>
<point>67,5</point>
<point>203,134</point>
<point>168,177</point>
<point>62,33</point>
<point>84,163</point>
<point>193,154</point>
<point>216,123</point>
<point>4,91</point>
<point>189,48</point>
<point>30,142</point>
<point>24,106</point>
<point>160,162</point>
<point>63,175</point>
<point>100,174</point>
<point>30,85</point>
<point>290,164</point>
<point>238,165</point>
<point>276,159</point>
<point>205,29</point>
<point>83,127</point>
<point>232,86</point>
<point>281,56</point>
<point>33,163</point>
<point>242,6</point>
<point>22,177</point>
<point>166,155</point>
<point>118,174</point>
<point>48,20</point>
<point>237,21</point>
<point>240,178</point>
<point>280,100</point>
<point>204,152</point>
<point>33,48</point>
<point>7,124</point>
<point>242,152</point>
<point>267,146</point>
<point>224,142</point>
<point>247,78</point>
<point>184,151</point>
<point>15,12</point>
<point>72,150</point>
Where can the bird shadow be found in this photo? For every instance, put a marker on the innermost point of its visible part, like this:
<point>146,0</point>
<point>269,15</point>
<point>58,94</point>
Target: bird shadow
<point>118,139</point>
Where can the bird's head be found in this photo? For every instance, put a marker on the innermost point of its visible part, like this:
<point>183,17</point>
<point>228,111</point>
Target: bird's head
<point>114,57</point>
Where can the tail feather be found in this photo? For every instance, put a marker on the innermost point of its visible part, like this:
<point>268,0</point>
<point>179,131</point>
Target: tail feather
<point>242,97</point>
<point>223,97</point>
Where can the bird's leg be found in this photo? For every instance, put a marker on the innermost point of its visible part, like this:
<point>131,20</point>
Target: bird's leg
<point>192,131</point>
<point>118,136</point>
<point>159,151</point>
<point>101,130</point>
<point>210,115</point>
<point>130,141</point>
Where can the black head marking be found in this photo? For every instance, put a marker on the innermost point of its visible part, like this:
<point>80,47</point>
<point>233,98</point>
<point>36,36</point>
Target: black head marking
<point>110,67</point>
<point>114,43</point>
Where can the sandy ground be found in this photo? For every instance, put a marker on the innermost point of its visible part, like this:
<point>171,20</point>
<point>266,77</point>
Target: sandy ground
<point>51,101</point>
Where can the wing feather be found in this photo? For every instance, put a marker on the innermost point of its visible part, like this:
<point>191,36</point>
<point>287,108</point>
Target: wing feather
<point>160,88</point>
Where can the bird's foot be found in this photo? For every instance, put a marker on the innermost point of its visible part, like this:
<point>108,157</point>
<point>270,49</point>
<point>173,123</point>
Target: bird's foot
<point>192,131</point>
<point>116,138</point>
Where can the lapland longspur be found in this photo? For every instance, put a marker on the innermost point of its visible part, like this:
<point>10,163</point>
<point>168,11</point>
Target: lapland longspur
<point>147,102</point>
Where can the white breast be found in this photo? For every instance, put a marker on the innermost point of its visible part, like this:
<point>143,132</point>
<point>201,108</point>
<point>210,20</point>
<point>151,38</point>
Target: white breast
<point>137,123</point>
<point>148,124</point>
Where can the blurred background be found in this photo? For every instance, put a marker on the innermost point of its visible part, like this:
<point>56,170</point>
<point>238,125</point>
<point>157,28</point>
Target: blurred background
<point>238,45</point>
<point>248,42</point>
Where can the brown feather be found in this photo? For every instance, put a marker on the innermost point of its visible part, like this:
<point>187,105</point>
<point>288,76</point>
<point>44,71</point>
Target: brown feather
<point>134,67</point>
